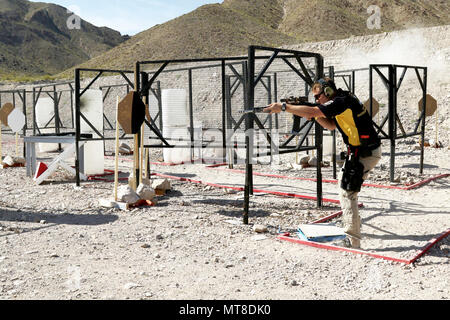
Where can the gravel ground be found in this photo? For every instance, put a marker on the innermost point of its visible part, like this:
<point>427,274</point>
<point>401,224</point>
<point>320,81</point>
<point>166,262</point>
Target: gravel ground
<point>58,243</point>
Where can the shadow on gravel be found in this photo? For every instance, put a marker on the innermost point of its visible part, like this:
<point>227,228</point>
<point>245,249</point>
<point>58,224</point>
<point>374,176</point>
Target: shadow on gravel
<point>404,210</point>
<point>391,236</point>
<point>181,175</point>
<point>51,218</point>
<point>421,239</point>
<point>231,208</point>
<point>441,184</point>
<point>238,213</point>
<point>417,166</point>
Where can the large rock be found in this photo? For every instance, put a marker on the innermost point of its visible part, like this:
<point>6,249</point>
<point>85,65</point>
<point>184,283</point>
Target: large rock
<point>303,158</point>
<point>161,184</point>
<point>145,192</point>
<point>146,181</point>
<point>259,228</point>
<point>313,162</point>
<point>19,160</point>
<point>11,161</point>
<point>126,194</point>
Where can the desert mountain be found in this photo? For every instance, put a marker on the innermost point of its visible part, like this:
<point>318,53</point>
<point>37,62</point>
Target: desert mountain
<point>40,38</point>
<point>35,38</point>
<point>228,28</point>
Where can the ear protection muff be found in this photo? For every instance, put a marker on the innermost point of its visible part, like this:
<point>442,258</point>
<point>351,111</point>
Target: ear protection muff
<point>327,89</point>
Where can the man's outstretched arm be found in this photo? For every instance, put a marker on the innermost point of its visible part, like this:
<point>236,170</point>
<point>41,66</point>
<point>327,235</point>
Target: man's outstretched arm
<point>305,112</point>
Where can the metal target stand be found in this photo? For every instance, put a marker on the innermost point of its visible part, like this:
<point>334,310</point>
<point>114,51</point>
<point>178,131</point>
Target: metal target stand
<point>253,77</point>
<point>55,93</point>
<point>392,119</point>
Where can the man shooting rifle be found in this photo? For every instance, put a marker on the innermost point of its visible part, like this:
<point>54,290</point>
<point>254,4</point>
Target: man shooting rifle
<point>342,110</point>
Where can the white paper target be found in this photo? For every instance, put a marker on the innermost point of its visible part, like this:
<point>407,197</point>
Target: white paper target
<point>45,110</point>
<point>16,120</point>
<point>91,106</point>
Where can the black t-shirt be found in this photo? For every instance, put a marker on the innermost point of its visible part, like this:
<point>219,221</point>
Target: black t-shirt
<point>352,120</point>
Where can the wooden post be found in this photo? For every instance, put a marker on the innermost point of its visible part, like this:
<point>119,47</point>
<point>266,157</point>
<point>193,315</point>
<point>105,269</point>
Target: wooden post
<point>17,144</point>
<point>141,152</point>
<point>437,129</point>
<point>116,154</point>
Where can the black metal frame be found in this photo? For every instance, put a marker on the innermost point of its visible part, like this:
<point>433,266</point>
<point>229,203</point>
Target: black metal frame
<point>156,92</point>
<point>232,124</point>
<point>307,91</point>
<point>55,95</point>
<point>143,82</point>
<point>393,84</point>
<point>22,93</point>
<point>78,114</point>
<point>253,78</point>
<point>150,78</point>
<point>140,79</point>
<point>162,69</point>
<point>349,78</point>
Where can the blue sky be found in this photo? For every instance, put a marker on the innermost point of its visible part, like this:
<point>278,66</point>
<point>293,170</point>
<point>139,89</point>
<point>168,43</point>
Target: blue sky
<point>130,16</point>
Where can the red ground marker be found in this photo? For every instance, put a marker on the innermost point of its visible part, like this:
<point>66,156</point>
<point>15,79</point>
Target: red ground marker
<point>431,243</point>
<point>282,194</point>
<point>416,185</point>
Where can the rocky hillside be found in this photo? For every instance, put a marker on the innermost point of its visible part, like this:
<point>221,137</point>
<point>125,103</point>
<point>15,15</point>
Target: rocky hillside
<point>35,39</point>
<point>428,47</point>
<point>230,27</point>
<point>318,20</point>
<point>213,30</point>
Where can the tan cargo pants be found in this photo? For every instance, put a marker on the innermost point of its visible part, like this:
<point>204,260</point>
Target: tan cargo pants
<point>349,201</point>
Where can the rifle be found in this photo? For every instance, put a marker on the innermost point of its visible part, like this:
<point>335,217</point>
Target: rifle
<point>303,101</point>
<point>291,100</point>
<point>254,110</point>
<point>299,101</point>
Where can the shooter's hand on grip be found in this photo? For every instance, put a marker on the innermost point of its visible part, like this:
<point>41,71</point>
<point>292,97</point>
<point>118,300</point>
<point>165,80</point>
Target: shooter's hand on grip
<point>273,108</point>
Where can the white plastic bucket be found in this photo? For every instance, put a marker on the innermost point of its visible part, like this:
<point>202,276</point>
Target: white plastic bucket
<point>174,107</point>
<point>178,136</point>
<point>91,106</point>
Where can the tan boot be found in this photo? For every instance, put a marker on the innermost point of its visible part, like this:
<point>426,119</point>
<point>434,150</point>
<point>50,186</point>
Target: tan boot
<point>355,240</point>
